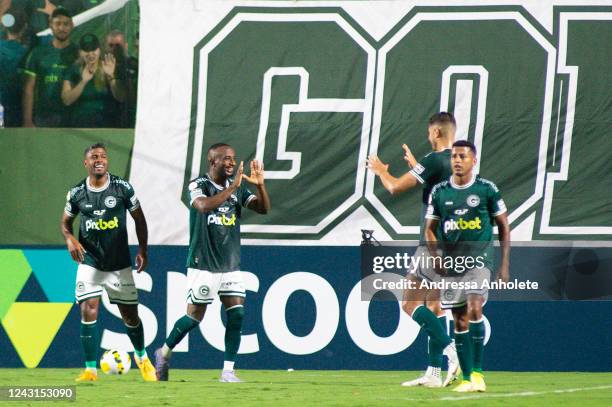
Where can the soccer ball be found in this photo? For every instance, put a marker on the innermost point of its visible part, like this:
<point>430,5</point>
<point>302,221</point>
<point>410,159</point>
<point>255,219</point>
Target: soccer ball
<point>115,362</point>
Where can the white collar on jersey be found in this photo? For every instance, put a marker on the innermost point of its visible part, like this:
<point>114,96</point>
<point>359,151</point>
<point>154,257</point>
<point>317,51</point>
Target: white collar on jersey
<point>469,184</point>
<point>102,188</point>
<point>219,187</point>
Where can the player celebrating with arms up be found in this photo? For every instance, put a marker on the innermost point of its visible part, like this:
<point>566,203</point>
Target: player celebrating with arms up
<point>423,305</point>
<point>213,262</point>
<point>104,257</point>
<point>461,213</point>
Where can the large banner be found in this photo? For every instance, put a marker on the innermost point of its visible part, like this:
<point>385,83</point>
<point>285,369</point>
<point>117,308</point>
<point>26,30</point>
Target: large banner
<point>304,310</point>
<point>312,88</point>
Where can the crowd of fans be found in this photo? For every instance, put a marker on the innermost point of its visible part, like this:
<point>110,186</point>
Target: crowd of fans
<point>60,81</point>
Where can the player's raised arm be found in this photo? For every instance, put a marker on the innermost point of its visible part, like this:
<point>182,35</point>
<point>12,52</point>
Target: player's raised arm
<point>503,273</point>
<point>203,203</point>
<point>392,184</point>
<point>77,252</point>
<point>142,234</point>
<point>261,202</point>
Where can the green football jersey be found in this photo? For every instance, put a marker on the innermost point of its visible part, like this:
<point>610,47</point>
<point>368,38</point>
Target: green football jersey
<point>432,169</point>
<point>49,64</point>
<point>214,237</point>
<point>466,214</point>
<point>102,230</point>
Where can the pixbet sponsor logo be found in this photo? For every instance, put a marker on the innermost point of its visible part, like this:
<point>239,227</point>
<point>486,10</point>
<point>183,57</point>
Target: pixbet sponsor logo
<point>221,220</point>
<point>101,224</point>
<point>461,224</point>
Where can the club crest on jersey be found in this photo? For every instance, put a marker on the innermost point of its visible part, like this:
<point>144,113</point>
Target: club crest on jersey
<point>110,202</point>
<point>80,286</point>
<point>204,290</point>
<point>473,201</point>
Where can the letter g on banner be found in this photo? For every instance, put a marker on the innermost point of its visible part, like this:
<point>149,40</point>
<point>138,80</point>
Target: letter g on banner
<point>294,89</point>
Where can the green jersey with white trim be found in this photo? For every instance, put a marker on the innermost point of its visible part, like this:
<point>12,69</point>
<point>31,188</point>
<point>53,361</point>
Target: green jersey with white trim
<point>466,214</point>
<point>433,168</point>
<point>214,237</point>
<point>102,230</point>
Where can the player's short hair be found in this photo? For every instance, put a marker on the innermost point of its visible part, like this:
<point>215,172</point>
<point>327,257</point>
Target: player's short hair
<point>93,147</point>
<point>216,146</point>
<point>60,11</point>
<point>465,143</point>
<point>443,118</point>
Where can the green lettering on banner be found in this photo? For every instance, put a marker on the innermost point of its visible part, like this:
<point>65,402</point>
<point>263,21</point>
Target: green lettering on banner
<point>473,72</point>
<point>296,93</point>
<point>577,201</point>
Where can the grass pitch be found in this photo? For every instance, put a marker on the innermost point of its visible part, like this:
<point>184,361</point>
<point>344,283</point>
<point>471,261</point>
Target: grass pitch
<point>306,388</point>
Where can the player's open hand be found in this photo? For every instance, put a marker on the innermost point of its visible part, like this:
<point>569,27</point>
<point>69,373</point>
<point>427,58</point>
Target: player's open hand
<point>257,173</point>
<point>376,166</point>
<point>238,175</point>
<point>76,249</point>
<point>141,261</point>
<point>408,156</point>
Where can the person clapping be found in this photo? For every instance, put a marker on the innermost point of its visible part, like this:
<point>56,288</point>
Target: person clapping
<point>92,88</point>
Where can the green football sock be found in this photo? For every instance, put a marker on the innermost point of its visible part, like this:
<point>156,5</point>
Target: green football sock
<point>463,342</point>
<point>89,341</point>
<point>477,334</point>
<point>428,321</point>
<point>235,316</point>
<point>434,348</point>
<point>136,334</point>
<point>180,329</point>
<point>451,328</point>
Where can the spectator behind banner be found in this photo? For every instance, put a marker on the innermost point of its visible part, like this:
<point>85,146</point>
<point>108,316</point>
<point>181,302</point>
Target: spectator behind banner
<point>92,87</point>
<point>127,68</point>
<point>12,53</point>
<point>44,72</point>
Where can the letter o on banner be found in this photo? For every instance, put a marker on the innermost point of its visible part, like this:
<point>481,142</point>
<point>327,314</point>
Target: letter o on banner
<point>275,323</point>
<point>360,331</point>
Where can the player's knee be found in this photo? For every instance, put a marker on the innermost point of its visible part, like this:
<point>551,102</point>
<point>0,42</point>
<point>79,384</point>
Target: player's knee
<point>131,320</point>
<point>475,313</point>
<point>89,310</point>
<point>461,321</point>
<point>235,315</point>
<point>461,325</point>
<point>434,306</point>
<point>196,311</point>
<point>196,315</point>
<point>408,307</point>
<point>474,309</point>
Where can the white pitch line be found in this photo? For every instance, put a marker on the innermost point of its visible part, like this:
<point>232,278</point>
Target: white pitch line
<point>523,394</point>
